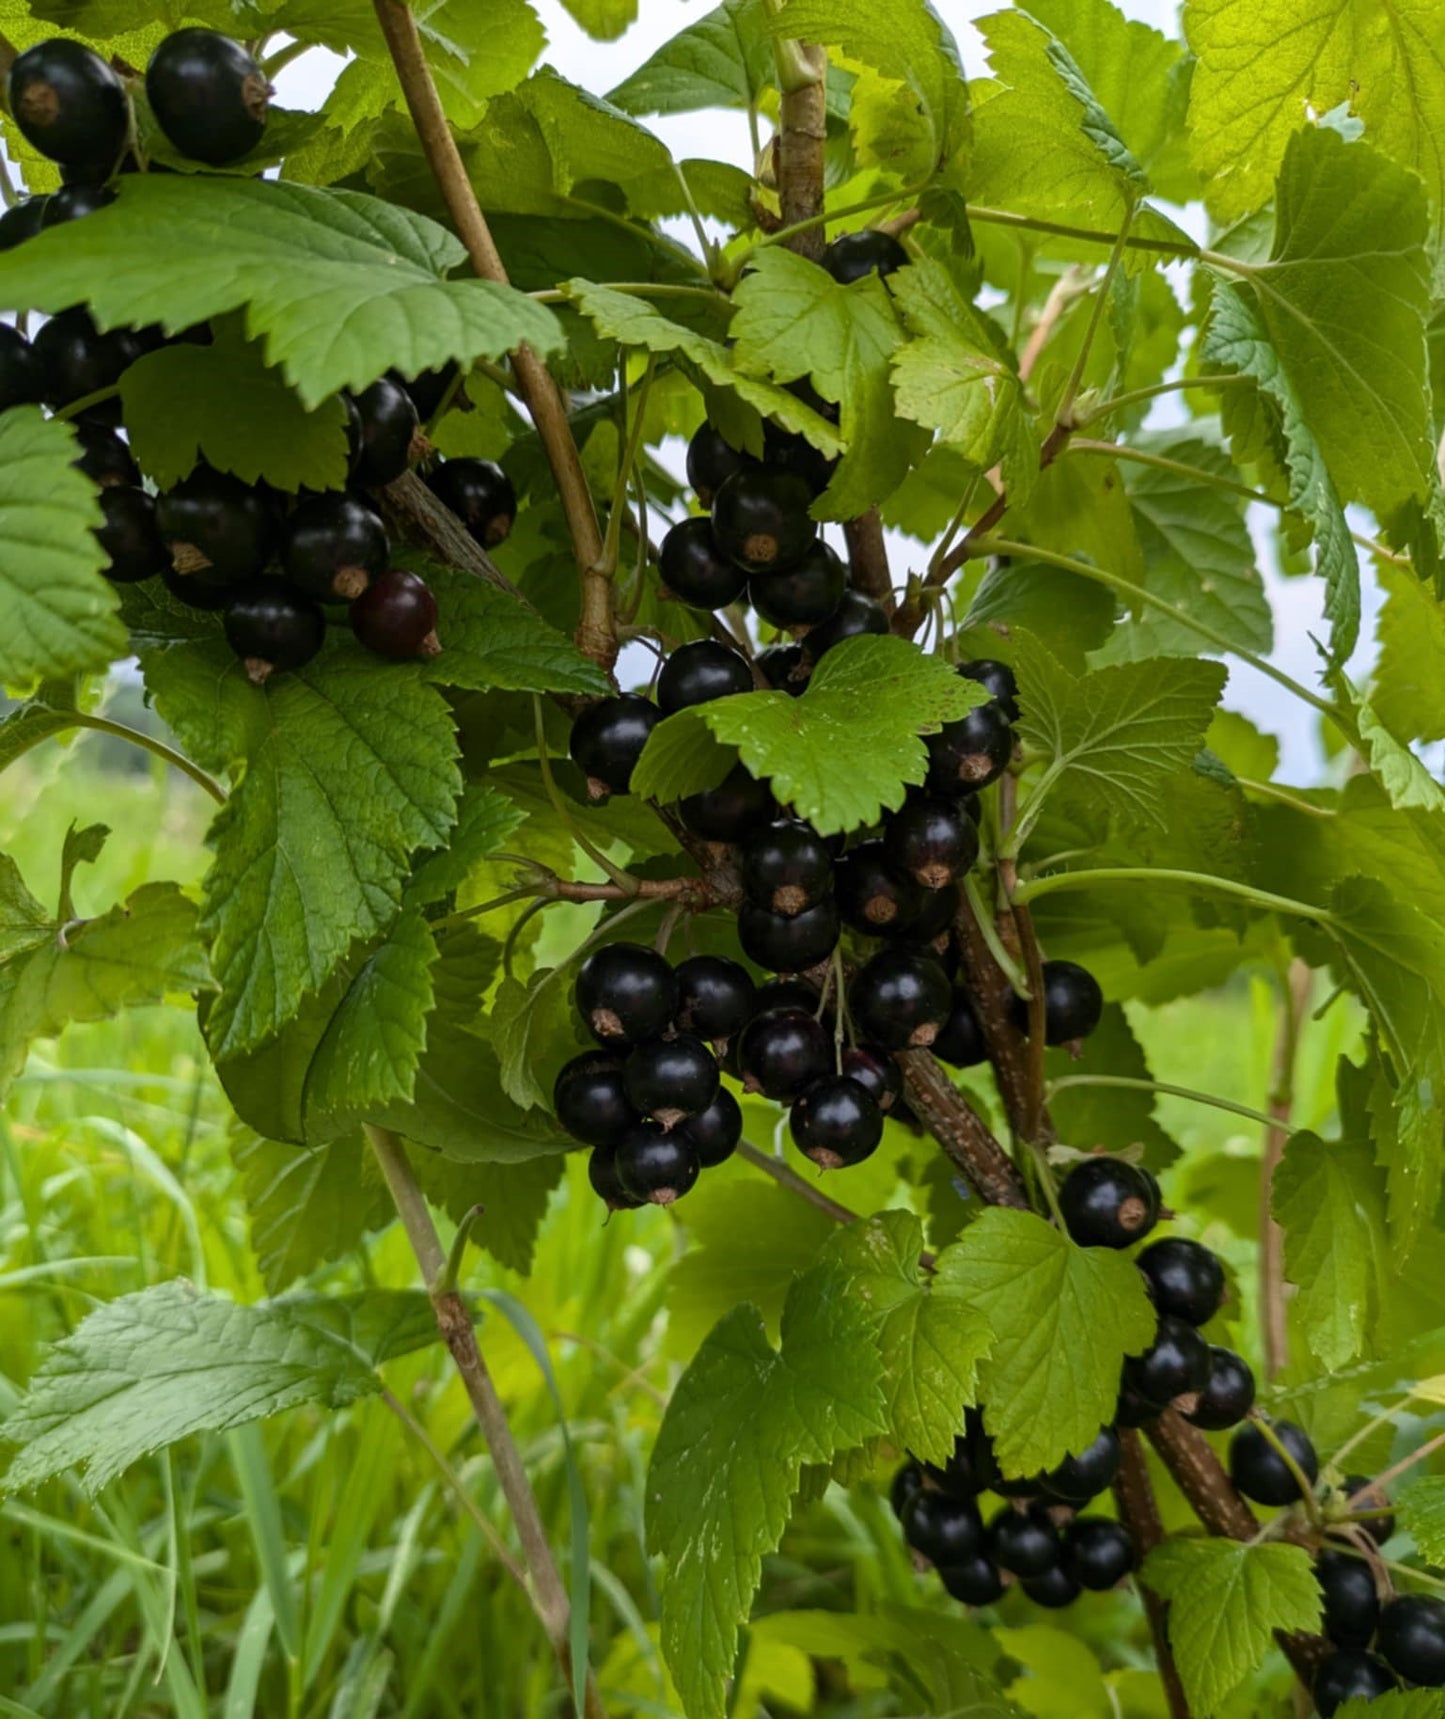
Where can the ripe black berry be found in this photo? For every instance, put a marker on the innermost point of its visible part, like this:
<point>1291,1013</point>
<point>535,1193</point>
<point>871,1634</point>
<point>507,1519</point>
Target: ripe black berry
<point>783,1052</point>
<point>1229,1395</point>
<point>942,1528</point>
<point>836,1122</point>
<point>1261,1473</point>
<point>785,451</point>
<point>930,841</point>
<point>726,813</point>
<point>208,95</point>
<point>872,896</point>
<point>700,672</point>
<point>695,569</point>
<point>976,1582</point>
<point>219,531</point>
<point>104,457</point>
<point>1024,1542</point>
<point>716,997</point>
<point>855,615</point>
<point>1055,1589</point>
<point>655,1167</point>
<point>1132,1410</point>
<point>907,1484</point>
<point>1176,1364</point>
<point>22,222</point>
<point>129,536</point>
<point>591,1100</point>
<point>855,255</point>
<point>760,519</point>
<point>790,994</point>
<point>714,1133</point>
<point>1098,1553</point>
<point>1350,1677</point>
<point>607,741</point>
<point>1079,1478</point>
<point>1183,1278</point>
<point>333,546</point>
<point>22,381</point>
<point>625,993</point>
<point>787,867</point>
<point>387,433</point>
<point>1370,1497</point>
<point>1108,1203</point>
<point>967,755</point>
<point>1412,1639</point>
<point>711,461</point>
<point>481,495</point>
<point>74,202</point>
<point>788,943</point>
<point>70,105</point>
<point>272,628</point>
<point>805,595</point>
<point>1073,1003</point>
<point>396,616</point>
<point>957,1476</point>
<point>606,1184</point>
<point>900,999</point>
<point>1352,1603</point>
<point>783,667</point>
<point>876,1072</point>
<point>960,1041</point>
<point>76,359</point>
<point>998,680</point>
<point>669,1079</point>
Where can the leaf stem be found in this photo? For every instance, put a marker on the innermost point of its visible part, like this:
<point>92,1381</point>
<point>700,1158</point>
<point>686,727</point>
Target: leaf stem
<point>1127,1083</point>
<point>988,930</point>
<point>1064,416</point>
<point>148,743</point>
<point>1137,396</point>
<point>1408,1462</point>
<point>452,1272</point>
<point>1260,898</point>
<point>1296,982</point>
<point>786,1176</point>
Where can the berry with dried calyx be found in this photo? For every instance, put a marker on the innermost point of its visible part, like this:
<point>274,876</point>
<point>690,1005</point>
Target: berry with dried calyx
<point>333,546</point>
<point>1175,1366</point>
<point>931,841</point>
<point>396,616</point>
<point>968,754</point>
<point>789,943</point>
<point>694,569</point>
<point>129,536</point>
<point>716,997</point>
<point>671,1079</point>
<point>836,1122</point>
<point>1108,1203</point>
<point>625,993</point>
<point>655,1167</point>
<point>70,105</point>
<point>873,897</point>
<point>220,531</point>
<point>480,494</point>
<point>876,1072</point>
<point>761,521</point>
<point>1229,1395</point>
<point>787,867</point>
<point>700,672</point>
<point>900,999</point>
<point>781,1054</point>
<point>804,595</point>
<point>209,96</point>
<point>273,628</point>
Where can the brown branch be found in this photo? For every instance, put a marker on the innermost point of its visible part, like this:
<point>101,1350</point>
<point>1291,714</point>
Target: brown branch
<point>1139,1513</point>
<point>960,1131</point>
<point>1033,1114</point>
<point>1273,1314</point>
<point>597,629</point>
<point>868,558</point>
<point>802,137</point>
<point>992,995</point>
<point>416,514</point>
<point>692,893</point>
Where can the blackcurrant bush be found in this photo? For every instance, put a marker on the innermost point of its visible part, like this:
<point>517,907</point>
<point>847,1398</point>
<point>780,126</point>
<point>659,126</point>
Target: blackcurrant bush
<point>855,615</point>
<point>129,536</point>
<point>1098,1553</point>
<point>900,999</point>
<point>591,1100</point>
<point>1412,1639</point>
<point>783,1052</point>
<point>804,595</point>
<point>669,1079</point>
<point>1370,1497</point>
<point>694,569</point>
<point>74,202</point>
<point>1349,1676</point>
<point>787,943</point>
<point>1108,1203</point>
<point>1352,1602</point>
<point>907,1484</point>
<point>654,1166</point>
<point>625,993</point>
<point>783,668</point>
<point>431,388</point>
<point>1183,1278</point>
<point>854,255</point>
<point>333,546</point>
<point>872,896</point>
<point>1229,1395</point>
<point>836,1123</point>
<point>388,433</point>
<point>76,359</point>
<point>209,96</point>
<point>607,741</point>
<point>606,1184</point>
<point>998,680</point>
<point>726,813</point>
<point>716,998</point>
<point>22,222</point>
<point>22,381</point>
<point>1055,1589</point>
<point>961,1042</point>
<point>396,616</point>
<point>1176,1364</point>
<point>1258,1469</point>
<point>1073,1003</point>
<point>711,461</point>
<point>974,1583</point>
<point>220,532</point>
<point>1077,1479</point>
<point>967,755</point>
<point>480,494</point>
<point>700,672</point>
<point>70,105</point>
<point>930,841</point>
<point>714,1133</point>
<point>104,457</point>
<point>1024,1542</point>
<point>942,1528</point>
<point>761,521</point>
<point>273,628</point>
<point>876,1072</point>
<point>786,867</point>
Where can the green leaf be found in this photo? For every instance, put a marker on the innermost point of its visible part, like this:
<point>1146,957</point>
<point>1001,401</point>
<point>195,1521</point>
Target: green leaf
<point>340,286</point>
<point>82,846</point>
<point>1064,1318</point>
<point>493,638</point>
<point>1225,1602</point>
<point>342,769</point>
<point>723,60</point>
<point>513,1199</point>
<point>1329,1201</point>
<point>306,1207</point>
<point>476,54</point>
<point>1395,1704</point>
<point>49,713</point>
<point>24,922</point>
<point>605,20</point>
<point>680,758</point>
<point>1421,1507</point>
<point>59,610</point>
<point>1409,694</point>
<point>743,1421</point>
<point>1113,1119</point>
<point>931,1341</point>
<point>485,818</point>
<point>534,1031</point>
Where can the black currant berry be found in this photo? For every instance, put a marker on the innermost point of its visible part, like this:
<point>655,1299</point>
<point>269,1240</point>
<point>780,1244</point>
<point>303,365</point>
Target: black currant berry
<point>1080,1478</point>
<point>1132,1410</point>
<point>22,222</point>
<point>1229,1395</point>
<point>208,95</point>
<point>1183,1278</point>
<point>790,994</point>
<point>726,813</point>
<point>976,1582</point>
<point>22,381</point>
<point>220,532</point>
<point>1073,1003</point>
<point>998,680</point>
<point>1108,1203</point>
<point>1412,1639</point>
<point>967,755</point>
<point>479,493</point>
<point>907,1484</point>
<point>930,841</point>
<point>943,1529</point>
<point>700,672</point>
<point>70,105</point>
<point>711,461</point>
<point>656,1167</point>
<point>937,917</point>
<point>333,546</point>
<point>957,1476</point>
<point>784,668</point>
<point>694,569</point>
<point>387,433</point>
<point>591,1100</point>
<point>606,1184</point>
<point>870,252</point>
<point>130,536</point>
<point>787,867</point>
<point>1370,1497</point>
<point>76,359</point>
<point>788,943</point>
<point>1024,1542</point>
<point>716,998</point>
<point>669,1079</point>
<point>876,1072</point>
<point>607,741</point>
<point>714,1133</point>
<point>787,452</point>
<point>396,616</point>
<point>74,203</point>
<point>1098,1553</point>
<point>836,1123</point>
<point>961,1042</point>
<point>1352,1602</point>
<point>804,595</point>
<point>872,896</point>
<point>900,999</point>
<point>104,457</point>
<point>625,993</point>
<point>761,521</point>
<point>782,1053</point>
<point>1055,1589</point>
<point>1176,1364</point>
<point>273,628</point>
<point>1350,1677</point>
<point>856,615</point>
<point>1258,1469</point>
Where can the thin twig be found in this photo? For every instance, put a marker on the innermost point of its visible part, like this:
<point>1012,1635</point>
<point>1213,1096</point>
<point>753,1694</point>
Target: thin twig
<point>1293,1008</point>
<point>960,1131</point>
<point>1139,1513</point>
<point>787,1177</point>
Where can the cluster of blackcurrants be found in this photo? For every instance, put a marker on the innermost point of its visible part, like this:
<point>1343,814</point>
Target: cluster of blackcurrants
<point>1407,1631</point>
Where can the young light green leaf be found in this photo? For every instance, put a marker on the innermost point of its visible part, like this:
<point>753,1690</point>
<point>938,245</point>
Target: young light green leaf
<point>1421,1506</point>
<point>681,757</point>
<point>1408,695</point>
<point>1329,1200</point>
<point>1406,781</point>
<point>1225,1602</point>
<point>492,638</point>
<point>1064,1318</point>
<point>723,60</point>
<point>306,1207</point>
<point>475,54</point>
<point>1395,1704</point>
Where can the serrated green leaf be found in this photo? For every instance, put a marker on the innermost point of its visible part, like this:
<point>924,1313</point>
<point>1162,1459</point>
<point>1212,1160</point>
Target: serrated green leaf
<point>680,758</point>
<point>605,20</point>
<point>24,922</point>
<point>534,1031</point>
<point>485,818</point>
<point>477,53</point>
<point>1225,1602</point>
<point>1406,781</point>
<point>306,1207</point>
<point>1064,1318</point>
<point>1421,1506</point>
<point>1409,695</point>
<point>723,60</point>
<point>1329,1201</point>
<point>492,638</point>
<point>1396,1704</point>
<point>513,1199</point>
